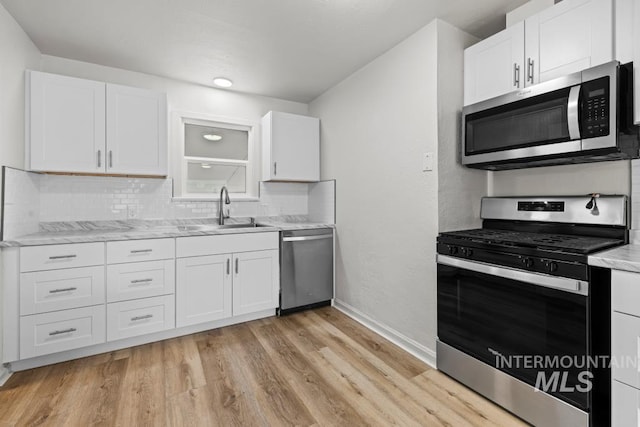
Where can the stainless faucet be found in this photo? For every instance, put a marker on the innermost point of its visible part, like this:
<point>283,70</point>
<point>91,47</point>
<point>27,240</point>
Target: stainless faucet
<point>227,201</point>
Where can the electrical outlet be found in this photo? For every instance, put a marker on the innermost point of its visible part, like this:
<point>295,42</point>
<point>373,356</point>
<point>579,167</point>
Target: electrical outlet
<point>427,162</point>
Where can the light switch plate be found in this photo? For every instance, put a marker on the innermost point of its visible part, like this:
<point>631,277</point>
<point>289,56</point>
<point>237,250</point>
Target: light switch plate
<point>427,162</point>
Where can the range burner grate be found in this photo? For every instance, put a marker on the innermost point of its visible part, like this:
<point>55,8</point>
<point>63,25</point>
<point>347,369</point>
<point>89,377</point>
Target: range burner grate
<point>565,242</point>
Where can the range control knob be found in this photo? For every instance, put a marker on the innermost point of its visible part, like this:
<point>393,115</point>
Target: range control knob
<point>528,262</point>
<point>467,252</point>
<point>452,250</point>
<point>552,267</point>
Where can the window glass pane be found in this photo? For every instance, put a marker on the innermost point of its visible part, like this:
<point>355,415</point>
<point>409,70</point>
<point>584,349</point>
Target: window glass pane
<point>215,142</point>
<point>211,177</point>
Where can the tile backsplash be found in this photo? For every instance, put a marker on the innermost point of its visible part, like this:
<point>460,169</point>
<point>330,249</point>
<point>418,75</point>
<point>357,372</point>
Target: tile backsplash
<point>21,198</point>
<point>32,198</point>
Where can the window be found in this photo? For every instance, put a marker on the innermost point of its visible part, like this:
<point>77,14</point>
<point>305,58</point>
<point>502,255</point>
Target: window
<point>216,154</point>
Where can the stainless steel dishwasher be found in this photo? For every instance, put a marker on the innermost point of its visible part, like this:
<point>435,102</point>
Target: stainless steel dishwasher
<point>306,269</point>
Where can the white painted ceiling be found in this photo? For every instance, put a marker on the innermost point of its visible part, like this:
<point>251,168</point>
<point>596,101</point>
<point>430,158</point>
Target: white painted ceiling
<point>289,49</point>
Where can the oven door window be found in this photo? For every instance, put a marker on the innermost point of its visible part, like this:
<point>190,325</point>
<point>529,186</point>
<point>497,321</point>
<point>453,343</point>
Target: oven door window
<point>486,316</point>
<point>539,120</point>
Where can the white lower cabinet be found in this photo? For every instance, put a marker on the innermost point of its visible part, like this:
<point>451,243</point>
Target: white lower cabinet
<point>43,291</point>
<point>220,285</point>
<point>140,280</point>
<point>61,330</point>
<point>625,405</point>
<point>255,281</point>
<point>625,349</point>
<point>78,295</point>
<point>141,316</point>
<point>203,291</point>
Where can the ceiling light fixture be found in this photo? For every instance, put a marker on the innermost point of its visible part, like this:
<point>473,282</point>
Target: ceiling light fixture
<point>206,166</point>
<point>212,137</point>
<point>222,82</point>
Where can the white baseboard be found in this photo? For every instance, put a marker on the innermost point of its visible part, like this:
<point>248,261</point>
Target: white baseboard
<point>409,345</point>
<point>4,375</point>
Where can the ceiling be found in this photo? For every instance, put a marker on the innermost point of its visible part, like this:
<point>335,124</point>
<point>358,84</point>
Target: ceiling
<point>289,49</point>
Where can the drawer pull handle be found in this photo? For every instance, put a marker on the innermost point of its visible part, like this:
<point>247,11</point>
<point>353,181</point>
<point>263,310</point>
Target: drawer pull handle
<point>64,331</point>
<point>57,291</point>
<point>141,251</point>
<point>146,316</point>
<point>137,281</point>
<point>63,256</point>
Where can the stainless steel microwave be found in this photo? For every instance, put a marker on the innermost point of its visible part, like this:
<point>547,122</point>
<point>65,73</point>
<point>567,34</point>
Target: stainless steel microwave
<point>582,117</point>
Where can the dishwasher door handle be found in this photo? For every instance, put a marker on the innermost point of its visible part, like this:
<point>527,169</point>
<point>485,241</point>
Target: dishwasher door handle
<point>305,238</point>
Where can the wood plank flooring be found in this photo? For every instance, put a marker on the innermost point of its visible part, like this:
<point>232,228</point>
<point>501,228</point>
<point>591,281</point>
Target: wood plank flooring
<point>312,368</point>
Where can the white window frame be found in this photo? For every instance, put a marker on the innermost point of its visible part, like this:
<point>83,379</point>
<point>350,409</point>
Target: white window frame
<point>180,161</point>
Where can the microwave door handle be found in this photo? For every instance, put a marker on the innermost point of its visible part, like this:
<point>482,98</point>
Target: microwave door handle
<point>573,116</point>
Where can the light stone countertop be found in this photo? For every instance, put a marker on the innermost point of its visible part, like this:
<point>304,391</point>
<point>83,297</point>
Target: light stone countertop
<point>104,231</point>
<point>625,258</point>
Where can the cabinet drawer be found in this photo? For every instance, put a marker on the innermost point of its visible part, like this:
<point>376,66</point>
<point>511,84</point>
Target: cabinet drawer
<point>140,250</point>
<point>140,280</point>
<point>625,292</point>
<point>625,348</point>
<point>625,405</point>
<point>139,317</point>
<point>54,257</point>
<point>225,243</point>
<point>43,291</point>
<point>47,333</point>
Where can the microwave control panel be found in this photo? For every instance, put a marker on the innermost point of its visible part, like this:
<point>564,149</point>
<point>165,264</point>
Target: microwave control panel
<point>595,108</point>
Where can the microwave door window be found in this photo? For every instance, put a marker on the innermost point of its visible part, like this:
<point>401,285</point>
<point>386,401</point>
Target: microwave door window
<point>535,121</point>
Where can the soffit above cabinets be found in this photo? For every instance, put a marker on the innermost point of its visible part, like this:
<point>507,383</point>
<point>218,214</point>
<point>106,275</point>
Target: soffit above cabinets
<point>287,49</point>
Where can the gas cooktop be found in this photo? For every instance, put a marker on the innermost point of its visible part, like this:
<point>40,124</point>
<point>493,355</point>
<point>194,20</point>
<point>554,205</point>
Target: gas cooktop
<point>564,242</point>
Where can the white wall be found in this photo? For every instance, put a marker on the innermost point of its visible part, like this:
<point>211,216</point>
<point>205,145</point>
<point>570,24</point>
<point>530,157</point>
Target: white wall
<point>17,52</point>
<point>604,177</point>
<point>459,188</point>
<point>375,125</point>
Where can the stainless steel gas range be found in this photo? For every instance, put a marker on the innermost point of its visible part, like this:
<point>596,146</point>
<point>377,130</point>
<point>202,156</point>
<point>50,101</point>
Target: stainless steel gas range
<point>522,318</point>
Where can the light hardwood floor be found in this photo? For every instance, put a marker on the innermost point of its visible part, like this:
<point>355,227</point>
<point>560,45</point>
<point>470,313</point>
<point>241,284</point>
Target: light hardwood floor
<point>312,368</point>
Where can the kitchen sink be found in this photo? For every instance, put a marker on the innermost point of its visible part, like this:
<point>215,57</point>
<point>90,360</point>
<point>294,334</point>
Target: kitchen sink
<point>210,227</point>
<point>246,225</point>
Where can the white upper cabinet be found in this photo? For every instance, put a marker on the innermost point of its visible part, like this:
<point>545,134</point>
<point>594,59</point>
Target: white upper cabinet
<point>136,126</point>
<point>65,124</point>
<point>83,126</point>
<point>494,66</point>
<point>290,147</point>
<point>568,37</point>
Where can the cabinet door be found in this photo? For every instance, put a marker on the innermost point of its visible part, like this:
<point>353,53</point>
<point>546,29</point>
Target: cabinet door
<point>136,131</point>
<point>625,340</point>
<point>65,124</point>
<point>625,405</point>
<point>255,281</point>
<point>494,66</point>
<point>291,147</point>
<point>203,289</point>
<point>568,37</point>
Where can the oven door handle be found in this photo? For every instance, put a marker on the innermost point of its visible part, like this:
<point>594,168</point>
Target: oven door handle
<point>560,283</point>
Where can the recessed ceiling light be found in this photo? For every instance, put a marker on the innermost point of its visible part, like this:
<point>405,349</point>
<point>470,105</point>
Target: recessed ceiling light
<point>222,82</point>
<point>212,137</point>
<point>206,166</point>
